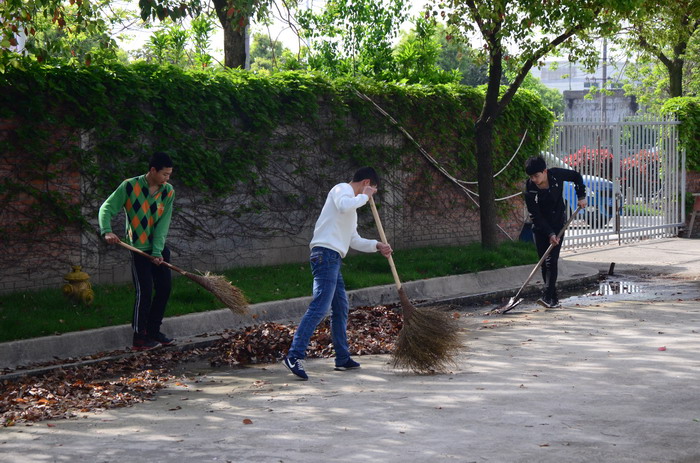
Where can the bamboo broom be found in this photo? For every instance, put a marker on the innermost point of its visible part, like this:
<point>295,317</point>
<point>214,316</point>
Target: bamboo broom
<point>429,338</point>
<point>218,285</point>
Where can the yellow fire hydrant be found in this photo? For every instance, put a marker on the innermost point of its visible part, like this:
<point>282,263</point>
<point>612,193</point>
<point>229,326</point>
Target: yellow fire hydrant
<point>78,286</point>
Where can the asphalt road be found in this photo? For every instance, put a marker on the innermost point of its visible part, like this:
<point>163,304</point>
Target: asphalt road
<point>610,377</point>
<point>604,379</point>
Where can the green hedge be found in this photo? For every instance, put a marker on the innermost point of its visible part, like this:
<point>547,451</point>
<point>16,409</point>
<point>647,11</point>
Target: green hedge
<point>687,109</point>
<point>217,126</point>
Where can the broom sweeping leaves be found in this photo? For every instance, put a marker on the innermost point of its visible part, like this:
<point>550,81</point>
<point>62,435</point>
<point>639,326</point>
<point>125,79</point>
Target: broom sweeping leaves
<point>218,285</point>
<point>429,338</point>
<point>229,295</point>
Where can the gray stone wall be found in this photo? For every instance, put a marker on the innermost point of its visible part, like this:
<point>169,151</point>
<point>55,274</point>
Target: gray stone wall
<point>419,207</point>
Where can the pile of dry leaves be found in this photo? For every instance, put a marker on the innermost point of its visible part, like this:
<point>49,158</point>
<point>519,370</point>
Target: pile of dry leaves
<point>121,382</point>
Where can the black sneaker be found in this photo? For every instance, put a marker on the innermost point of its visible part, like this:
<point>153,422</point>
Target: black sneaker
<point>162,339</point>
<point>296,366</point>
<point>548,303</point>
<point>142,342</point>
<point>349,365</point>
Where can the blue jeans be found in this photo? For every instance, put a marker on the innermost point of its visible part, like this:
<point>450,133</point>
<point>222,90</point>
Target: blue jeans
<point>328,293</point>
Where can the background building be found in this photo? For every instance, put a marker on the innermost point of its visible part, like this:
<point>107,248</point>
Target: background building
<point>576,83</point>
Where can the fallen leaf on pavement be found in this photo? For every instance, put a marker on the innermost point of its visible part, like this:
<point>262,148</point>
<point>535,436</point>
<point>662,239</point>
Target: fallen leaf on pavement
<point>123,378</point>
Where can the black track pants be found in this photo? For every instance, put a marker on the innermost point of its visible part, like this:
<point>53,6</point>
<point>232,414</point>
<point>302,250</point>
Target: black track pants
<point>550,266</point>
<point>152,283</point>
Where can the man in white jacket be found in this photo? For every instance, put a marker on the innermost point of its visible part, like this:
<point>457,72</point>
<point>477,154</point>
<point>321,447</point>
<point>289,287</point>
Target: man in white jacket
<point>334,234</point>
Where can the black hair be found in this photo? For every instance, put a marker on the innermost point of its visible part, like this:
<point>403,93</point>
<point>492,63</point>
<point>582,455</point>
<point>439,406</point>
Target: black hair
<point>534,165</point>
<point>364,173</point>
<point>159,160</point>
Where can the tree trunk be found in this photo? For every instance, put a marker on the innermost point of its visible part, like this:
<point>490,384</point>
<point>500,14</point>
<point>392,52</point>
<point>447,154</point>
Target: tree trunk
<point>487,201</point>
<point>675,78</point>
<point>234,38</point>
<point>484,128</point>
<point>234,47</point>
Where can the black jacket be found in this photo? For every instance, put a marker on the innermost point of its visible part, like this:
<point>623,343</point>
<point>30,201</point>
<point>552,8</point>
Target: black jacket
<point>546,207</point>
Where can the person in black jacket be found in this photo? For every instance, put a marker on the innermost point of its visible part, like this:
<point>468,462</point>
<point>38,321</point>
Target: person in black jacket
<point>545,203</point>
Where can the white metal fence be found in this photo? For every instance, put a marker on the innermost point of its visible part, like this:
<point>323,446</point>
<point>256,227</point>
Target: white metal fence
<point>635,179</point>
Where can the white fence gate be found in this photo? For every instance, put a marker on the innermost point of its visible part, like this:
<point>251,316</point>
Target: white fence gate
<point>635,179</point>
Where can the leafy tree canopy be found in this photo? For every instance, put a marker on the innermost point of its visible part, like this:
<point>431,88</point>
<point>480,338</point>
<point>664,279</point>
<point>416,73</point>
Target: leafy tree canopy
<point>185,46</point>
<point>353,37</point>
<point>427,54</point>
<point>552,98</point>
<point>234,16</point>
<point>271,55</point>
<point>665,37</point>
<point>49,28</point>
<point>520,33</point>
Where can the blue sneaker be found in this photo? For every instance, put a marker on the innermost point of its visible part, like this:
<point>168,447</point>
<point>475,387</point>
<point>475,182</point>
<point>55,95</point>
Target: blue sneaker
<point>349,365</point>
<point>296,366</point>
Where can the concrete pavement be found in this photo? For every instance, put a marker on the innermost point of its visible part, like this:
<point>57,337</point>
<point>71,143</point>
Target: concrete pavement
<point>493,285</point>
<point>673,257</point>
<point>676,257</point>
<point>611,381</point>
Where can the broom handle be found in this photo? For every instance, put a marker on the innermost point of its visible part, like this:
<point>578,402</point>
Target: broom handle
<point>138,251</point>
<point>378,221</point>
<point>549,250</point>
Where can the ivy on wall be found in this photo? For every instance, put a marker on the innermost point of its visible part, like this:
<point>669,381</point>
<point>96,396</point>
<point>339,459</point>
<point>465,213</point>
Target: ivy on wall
<point>223,129</point>
<point>687,109</point>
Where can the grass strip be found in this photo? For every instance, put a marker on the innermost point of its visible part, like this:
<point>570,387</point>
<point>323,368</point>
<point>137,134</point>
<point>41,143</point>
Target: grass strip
<point>30,314</point>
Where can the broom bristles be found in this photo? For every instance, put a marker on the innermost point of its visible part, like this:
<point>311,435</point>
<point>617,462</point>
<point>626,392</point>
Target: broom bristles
<point>428,341</point>
<point>219,286</point>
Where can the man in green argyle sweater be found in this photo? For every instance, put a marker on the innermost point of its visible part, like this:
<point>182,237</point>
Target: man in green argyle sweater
<point>147,201</point>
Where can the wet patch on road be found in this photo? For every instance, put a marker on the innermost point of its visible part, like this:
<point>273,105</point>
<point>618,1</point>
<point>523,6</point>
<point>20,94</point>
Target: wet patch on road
<point>634,288</point>
<point>610,288</point>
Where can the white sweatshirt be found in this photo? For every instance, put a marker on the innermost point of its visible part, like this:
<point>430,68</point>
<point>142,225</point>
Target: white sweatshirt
<point>336,227</point>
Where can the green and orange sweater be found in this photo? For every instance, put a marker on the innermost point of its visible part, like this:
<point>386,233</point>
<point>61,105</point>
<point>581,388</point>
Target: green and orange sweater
<point>147,216</point>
